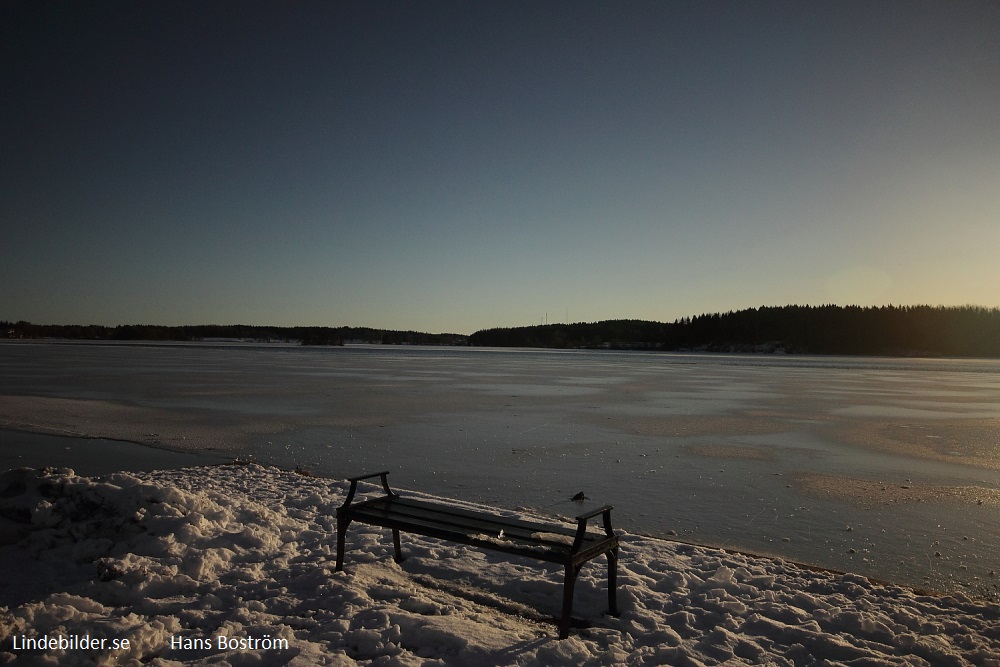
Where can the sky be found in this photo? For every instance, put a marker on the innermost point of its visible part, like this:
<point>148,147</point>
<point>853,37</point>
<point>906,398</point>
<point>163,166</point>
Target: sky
<point>456,166</point>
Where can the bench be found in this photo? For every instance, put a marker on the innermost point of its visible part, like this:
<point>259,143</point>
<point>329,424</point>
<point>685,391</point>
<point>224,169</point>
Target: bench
<point>553,543</point>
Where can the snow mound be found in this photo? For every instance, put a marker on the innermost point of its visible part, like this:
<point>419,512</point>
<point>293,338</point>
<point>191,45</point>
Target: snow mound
<point>164,563</point>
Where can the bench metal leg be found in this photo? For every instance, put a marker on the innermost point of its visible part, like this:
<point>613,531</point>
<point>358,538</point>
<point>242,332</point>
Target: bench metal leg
<point>395,544</point>
<point>613,582</point>
<point>341,537</point>
<point>567,608</point>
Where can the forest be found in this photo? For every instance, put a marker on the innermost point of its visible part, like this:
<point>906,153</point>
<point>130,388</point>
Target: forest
<point>235,332</point>
<point>967,331</point>
<point>925,331</point>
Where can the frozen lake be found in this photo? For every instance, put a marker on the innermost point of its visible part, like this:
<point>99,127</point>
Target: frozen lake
<point>885,467</point>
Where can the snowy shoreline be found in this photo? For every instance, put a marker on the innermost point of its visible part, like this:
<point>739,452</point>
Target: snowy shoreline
<point>167,561</point>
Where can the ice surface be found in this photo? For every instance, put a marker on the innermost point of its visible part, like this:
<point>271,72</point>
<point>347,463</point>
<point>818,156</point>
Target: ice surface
<point>713,449</point>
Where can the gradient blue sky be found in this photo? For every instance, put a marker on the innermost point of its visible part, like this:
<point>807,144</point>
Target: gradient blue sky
<point>454,166</point>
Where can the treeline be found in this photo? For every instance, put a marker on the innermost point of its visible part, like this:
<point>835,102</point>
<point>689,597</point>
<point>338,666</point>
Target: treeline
<point>967,331</point>
<point>236,332</point>
<point>614,334</point>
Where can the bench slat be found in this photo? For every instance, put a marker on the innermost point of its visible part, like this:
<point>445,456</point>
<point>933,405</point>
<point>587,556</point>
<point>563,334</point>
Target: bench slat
<point>433,525</point>
<point>471,522</point>
<point>459,514</point>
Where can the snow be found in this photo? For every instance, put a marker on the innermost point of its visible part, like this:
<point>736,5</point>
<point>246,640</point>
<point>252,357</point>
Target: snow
<point>170,560</point>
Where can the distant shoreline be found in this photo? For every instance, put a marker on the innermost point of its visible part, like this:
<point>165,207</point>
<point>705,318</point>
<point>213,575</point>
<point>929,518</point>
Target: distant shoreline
<point>894,331</point>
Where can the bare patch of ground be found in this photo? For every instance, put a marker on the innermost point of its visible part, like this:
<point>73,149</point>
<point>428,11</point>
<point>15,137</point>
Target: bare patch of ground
<point>867,492</point>
<point>973,442</point>
<point>730,452</point>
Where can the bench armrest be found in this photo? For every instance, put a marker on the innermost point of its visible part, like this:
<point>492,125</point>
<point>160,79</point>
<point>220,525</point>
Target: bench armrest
<point>354,486</point>
<point>368,476</point>
<point>593,513</point>
<point>581,525</point>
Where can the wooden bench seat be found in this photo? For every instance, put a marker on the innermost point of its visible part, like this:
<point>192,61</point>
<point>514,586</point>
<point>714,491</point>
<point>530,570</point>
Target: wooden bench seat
<point>568,546</point>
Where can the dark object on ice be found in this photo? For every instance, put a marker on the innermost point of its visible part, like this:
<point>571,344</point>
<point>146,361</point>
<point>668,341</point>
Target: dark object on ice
<point>579,496</point>
<point>480,528</point>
